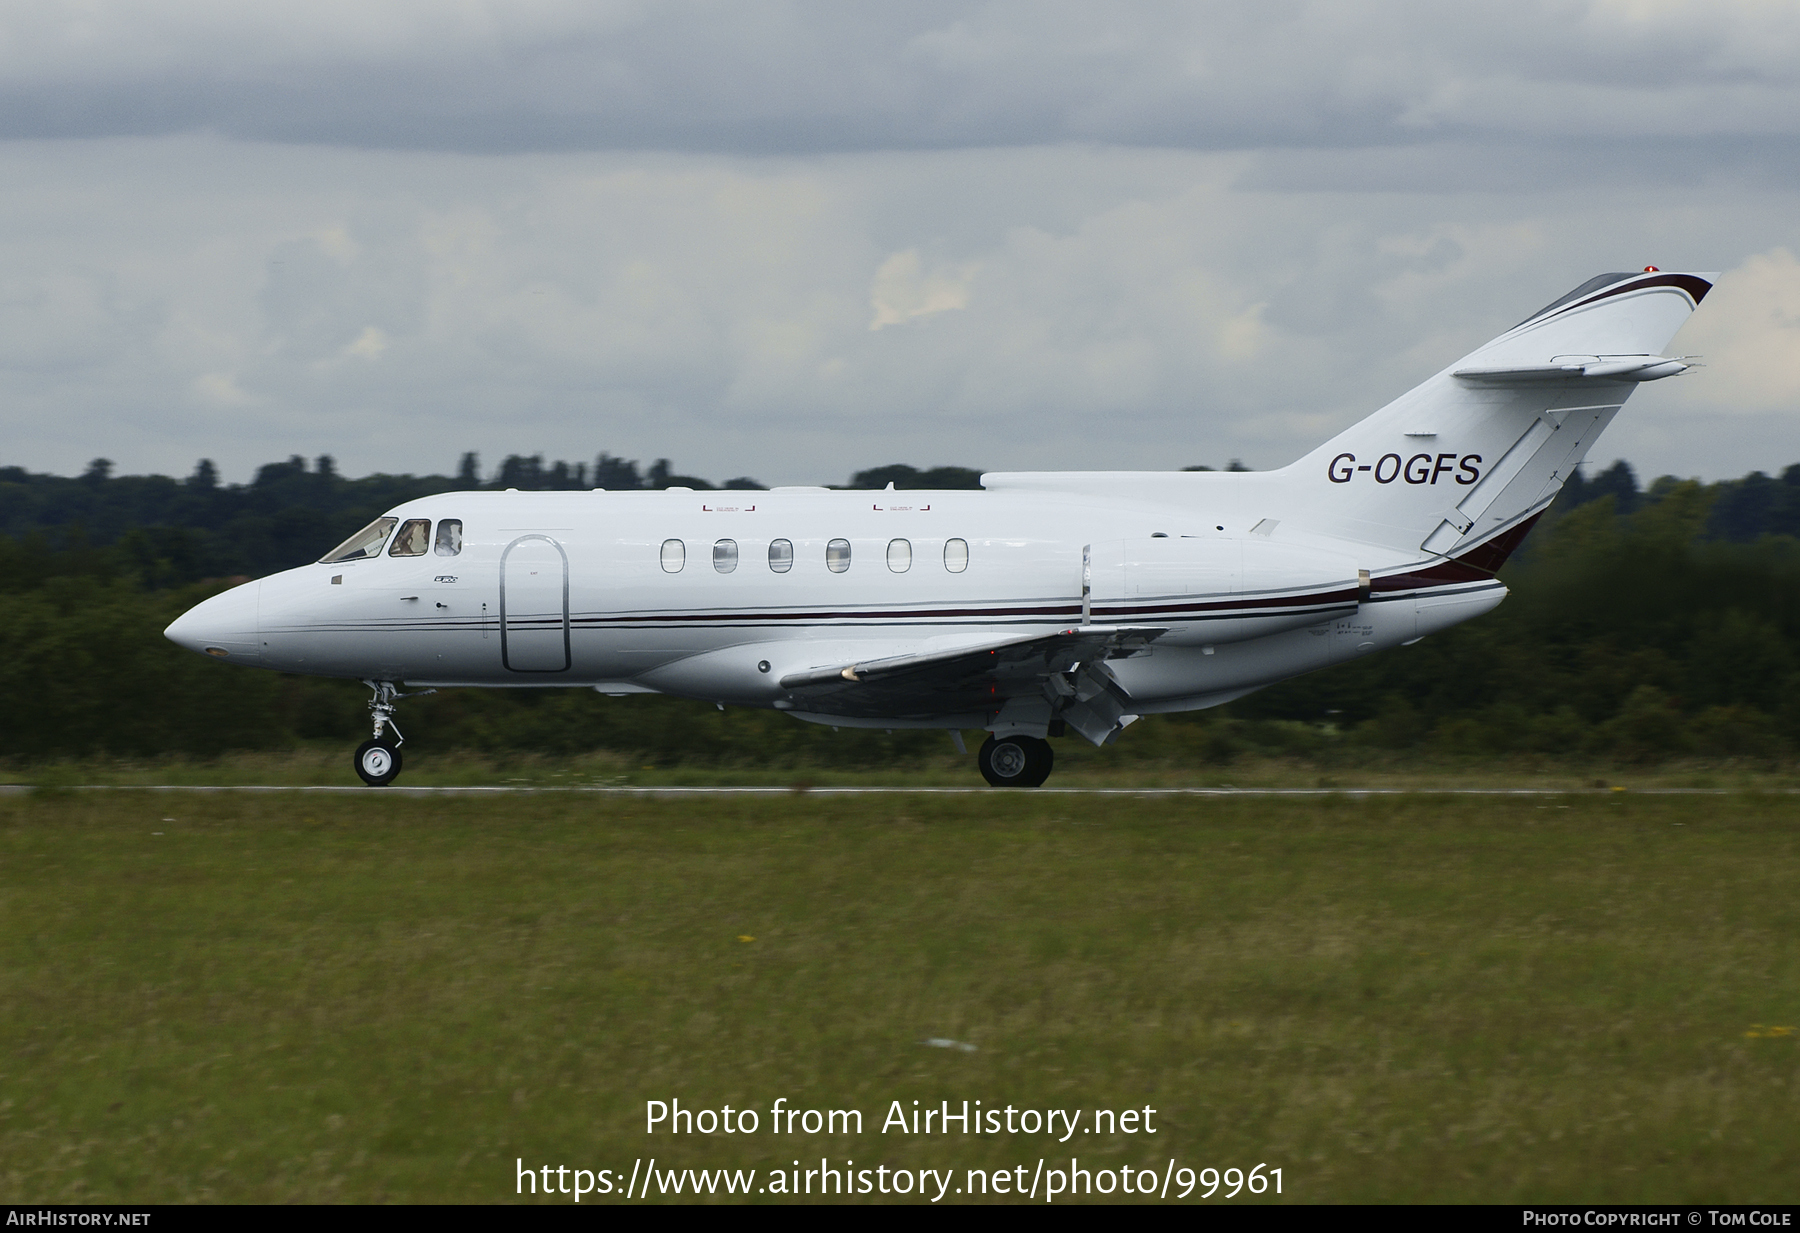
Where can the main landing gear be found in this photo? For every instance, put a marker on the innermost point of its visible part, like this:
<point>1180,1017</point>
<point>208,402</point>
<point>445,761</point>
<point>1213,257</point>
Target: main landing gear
<point>377,760</point>
<point>1015,761</point>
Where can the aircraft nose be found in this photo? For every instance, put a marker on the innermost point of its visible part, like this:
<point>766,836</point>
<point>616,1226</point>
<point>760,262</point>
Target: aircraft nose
<point>224,627</point>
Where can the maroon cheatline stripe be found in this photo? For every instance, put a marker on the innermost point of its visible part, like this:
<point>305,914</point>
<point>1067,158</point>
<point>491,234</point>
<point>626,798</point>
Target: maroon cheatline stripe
<point>1055,610</point>
<point>1311,599</point>
<point>1324,603</point>
<point>1696,289</point>
<point>1491,554</point>
<point>1478,564</point>
<point>1315,599</point>
<point>1441,574</point>
<point>1343,594</point>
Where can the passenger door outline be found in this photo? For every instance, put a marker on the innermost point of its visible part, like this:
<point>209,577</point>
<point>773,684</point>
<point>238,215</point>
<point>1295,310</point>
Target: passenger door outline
<point>505,641</point>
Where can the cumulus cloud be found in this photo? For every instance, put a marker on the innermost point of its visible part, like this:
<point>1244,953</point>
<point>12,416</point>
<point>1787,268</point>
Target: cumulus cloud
<point>1749,335</point>
<point>369,344</point>
<point>903,291</point>
<point>221,389</point>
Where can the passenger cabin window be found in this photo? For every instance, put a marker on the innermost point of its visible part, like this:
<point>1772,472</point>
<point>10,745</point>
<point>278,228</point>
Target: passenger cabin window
<point>956,555</point>
<point>674,556</point>
<point>725,555</point>
<point>449,537</point>
<point>899,555</point>
<point>364,544</point>
<point>781,555</point>
<point>413,537</point>
<point>837,555</point>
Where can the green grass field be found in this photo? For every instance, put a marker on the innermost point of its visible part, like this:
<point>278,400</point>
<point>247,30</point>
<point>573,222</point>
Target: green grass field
<point>1078,765</point>
<point>280,997</point>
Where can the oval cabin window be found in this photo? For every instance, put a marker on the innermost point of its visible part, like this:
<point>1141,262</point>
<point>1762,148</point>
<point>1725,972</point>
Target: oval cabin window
<point>781,555</point>
<point>674,556</point>
<point>956,555</point>
<point>837,555</point>
<point>725,555</point>
<point>899,555</point>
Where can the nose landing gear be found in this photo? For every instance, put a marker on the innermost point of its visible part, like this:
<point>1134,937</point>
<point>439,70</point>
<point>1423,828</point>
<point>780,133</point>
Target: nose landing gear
<point>377,761</point>
<point>1015,761</point>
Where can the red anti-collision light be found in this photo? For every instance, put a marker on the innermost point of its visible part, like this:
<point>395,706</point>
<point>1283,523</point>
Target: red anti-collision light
<point>1650,269</point>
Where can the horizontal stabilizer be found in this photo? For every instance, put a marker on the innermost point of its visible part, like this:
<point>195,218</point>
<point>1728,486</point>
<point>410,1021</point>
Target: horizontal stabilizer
<point>1568,367</point>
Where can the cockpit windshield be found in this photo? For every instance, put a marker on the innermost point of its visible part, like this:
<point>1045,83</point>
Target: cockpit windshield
<point>365,543</point>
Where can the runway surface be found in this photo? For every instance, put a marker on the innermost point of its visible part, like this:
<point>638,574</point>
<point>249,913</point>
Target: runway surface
<point>669,792</point>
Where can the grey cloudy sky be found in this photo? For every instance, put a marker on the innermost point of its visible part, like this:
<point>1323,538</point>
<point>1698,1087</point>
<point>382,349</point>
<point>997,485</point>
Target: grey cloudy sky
<point>791,240</point>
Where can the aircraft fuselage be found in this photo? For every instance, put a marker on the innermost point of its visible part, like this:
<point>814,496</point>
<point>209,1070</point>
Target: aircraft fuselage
<point>719,596</point>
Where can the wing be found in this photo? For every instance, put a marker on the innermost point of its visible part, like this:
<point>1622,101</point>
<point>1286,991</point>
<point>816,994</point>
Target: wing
<point>1067,669</point>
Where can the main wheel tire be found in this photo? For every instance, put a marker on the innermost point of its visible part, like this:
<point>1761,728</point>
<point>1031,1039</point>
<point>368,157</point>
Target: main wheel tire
<point>1015,761</point>
<point>377,762</point>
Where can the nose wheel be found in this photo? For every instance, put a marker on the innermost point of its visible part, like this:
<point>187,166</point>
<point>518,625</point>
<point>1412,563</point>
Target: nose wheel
<point>378,762</point>
<point>1015,761</point>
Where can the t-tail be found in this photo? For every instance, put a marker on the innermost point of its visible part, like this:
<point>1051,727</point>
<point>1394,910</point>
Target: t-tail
<point>1460,466</point>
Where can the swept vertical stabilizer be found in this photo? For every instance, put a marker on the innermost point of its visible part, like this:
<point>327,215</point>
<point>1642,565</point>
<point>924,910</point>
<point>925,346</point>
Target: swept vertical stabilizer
<point>1485,444</point>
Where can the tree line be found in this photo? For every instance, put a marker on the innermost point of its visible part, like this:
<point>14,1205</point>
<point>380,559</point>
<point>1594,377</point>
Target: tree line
<point>169,532</point>
<point>1644,622</point>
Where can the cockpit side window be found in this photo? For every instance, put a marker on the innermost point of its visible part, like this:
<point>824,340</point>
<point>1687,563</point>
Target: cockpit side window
<point>364,544</point>
<point>449,537</point>
<point>412,538</point>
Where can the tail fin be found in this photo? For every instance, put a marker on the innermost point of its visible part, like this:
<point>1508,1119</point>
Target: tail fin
<point>1482,447</point>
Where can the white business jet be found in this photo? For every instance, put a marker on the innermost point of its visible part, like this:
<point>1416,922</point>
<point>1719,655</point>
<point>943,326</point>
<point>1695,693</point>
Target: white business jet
<point>1050,602</point>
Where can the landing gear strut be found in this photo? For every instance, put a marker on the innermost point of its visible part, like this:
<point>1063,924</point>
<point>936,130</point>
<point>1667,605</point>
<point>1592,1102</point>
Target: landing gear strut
<point>377,760</point>
<point>1015,761</point>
